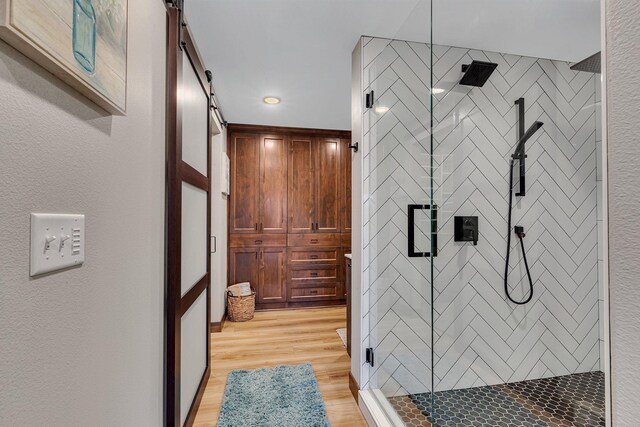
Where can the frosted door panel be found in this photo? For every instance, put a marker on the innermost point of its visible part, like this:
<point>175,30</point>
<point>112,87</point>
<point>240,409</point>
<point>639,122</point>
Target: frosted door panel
<point>195,115</point>
<point>194,236</point>
<point>193,352</point>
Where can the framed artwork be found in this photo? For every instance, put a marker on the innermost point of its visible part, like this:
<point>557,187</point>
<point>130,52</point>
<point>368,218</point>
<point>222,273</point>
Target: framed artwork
<point>83,42</point>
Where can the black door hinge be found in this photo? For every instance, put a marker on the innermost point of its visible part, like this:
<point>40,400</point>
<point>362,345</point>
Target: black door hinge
<point>369,356</point>
<point>369,100</point>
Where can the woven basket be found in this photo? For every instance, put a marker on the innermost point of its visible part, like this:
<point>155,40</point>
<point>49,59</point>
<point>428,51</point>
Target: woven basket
<point>241,309</point>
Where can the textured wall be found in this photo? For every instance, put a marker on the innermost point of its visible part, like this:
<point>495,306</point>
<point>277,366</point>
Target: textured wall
<point>623,114</point>
<point>84,346</point>
<point>480,338</point>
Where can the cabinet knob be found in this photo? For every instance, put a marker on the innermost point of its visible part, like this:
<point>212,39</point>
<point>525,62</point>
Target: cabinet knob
<point>313,241</point>
<point>258,242</point>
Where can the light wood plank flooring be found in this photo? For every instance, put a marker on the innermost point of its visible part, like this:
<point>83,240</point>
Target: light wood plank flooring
<point>285,338</point>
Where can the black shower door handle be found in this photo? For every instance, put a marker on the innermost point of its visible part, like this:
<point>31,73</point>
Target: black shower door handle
<point>434,231</point>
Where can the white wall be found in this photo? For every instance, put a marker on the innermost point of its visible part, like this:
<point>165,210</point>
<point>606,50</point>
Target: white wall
<point>84,346</point>
<point>218,225</point>
<point>623,141</point>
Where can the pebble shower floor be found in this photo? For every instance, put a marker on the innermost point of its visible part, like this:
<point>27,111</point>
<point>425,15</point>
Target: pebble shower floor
<point>576,400</point>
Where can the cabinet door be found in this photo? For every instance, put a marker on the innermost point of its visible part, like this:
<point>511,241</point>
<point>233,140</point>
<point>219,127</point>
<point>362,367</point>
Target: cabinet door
<point>272,278</point>
<point>327,185</point>
<point>273,184</point>
<point>301,185</point>
<point>244,266</point>
<point>345,186</point>
<point>244,215</point>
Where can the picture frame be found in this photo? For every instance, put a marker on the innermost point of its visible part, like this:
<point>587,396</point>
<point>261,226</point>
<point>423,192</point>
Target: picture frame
<point>82,42</point>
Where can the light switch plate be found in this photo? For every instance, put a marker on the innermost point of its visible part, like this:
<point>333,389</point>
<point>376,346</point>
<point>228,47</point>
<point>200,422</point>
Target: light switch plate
<point>57,242</point>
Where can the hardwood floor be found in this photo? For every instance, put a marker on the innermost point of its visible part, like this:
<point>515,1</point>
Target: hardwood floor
<point>275,338</point>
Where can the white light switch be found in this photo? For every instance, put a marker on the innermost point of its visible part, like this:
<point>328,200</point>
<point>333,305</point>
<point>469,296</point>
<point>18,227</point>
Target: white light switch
<point>57,242</point>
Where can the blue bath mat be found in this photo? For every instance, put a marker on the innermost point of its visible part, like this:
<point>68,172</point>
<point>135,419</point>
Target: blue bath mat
<point>284,396</point>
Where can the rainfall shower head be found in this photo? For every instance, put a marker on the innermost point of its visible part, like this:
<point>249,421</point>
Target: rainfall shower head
<point>477,73</point>
<point>590,65</point>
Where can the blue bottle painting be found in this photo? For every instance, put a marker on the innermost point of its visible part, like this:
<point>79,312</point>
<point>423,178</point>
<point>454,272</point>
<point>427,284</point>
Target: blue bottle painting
<point>84,34</point>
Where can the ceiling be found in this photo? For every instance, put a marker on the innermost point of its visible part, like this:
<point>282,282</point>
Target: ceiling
<point>300,50</point>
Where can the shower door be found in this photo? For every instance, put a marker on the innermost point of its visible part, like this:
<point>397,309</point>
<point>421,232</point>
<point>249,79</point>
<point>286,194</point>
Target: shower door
<point>399,218</point>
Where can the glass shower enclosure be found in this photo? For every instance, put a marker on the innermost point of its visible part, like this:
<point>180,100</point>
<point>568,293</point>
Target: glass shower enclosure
<point>482,224</point>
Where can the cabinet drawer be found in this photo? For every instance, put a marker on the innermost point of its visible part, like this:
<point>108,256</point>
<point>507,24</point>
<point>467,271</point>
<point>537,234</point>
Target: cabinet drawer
<point>306,274</point>
<point>345,240</point>
<point>323,292</point>
<point>298,256</point>
<point>257,240</point>
<point>314,239</point>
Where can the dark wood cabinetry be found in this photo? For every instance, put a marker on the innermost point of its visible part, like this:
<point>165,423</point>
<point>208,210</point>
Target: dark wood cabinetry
<point>290,214</point>
<point>272,276</point>
<point>273,184</point>
<point>243,265</point>
<point>258,183</point>
<point>302,188</point>
<point>327,182</point>
<point>244,215</point>
<point>314,185</point>
<point>264,268</point>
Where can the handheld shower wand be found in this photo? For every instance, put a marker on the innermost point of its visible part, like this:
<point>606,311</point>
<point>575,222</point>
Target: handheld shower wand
<point>519,154</point>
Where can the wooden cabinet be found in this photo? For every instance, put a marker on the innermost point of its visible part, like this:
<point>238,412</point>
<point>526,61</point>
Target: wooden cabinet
<point>313,255</point>
<point>327,183</point>
<point>314,185</point>
<point>264,268</point>
<point>258,199</point>
<point>273,184</point>
<point>244,266</point>
<point>288,214</point>
<point>244,211</point>
<point>314,274</point>
<point>257,240</point>
<point>271,278</point>
<point>302,188</point>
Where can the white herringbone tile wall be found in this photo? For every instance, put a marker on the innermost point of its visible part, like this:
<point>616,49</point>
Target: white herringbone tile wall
<point>479,338</point>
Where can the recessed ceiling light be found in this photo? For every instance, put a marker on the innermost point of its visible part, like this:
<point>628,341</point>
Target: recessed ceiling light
<point>271,100</point>
<point>437,90</point>
<point>381,109</point>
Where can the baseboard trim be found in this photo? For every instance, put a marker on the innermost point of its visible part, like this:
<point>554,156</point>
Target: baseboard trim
<point>217,326</point>
<point>353,387</point>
